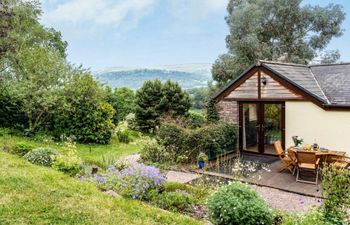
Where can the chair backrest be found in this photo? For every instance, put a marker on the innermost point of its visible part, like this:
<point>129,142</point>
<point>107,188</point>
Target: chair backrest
<point>279,149</point>
<point>306,157</point>
<point>292,154</point>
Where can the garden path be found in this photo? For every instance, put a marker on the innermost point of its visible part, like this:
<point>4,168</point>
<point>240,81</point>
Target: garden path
<point>130,159</point>
<point>181,177</point>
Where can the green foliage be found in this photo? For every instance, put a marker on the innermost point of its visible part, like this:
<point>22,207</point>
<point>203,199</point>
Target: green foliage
<point>36,69</point>
<point>212,113</point>
<point>237,204</point>
<point>131,121</point>
<point>68,160</point>
<point>153,152</point>
<point>124,136</point>
<point>199,192</point>
<point>125,99</point>
<point>41,156</point>
<point>122,100</point>
<point>194,119</point>
<point>36,80</point>
<point>155,99</point>
<point>175,101</point>
<point>275,30</point>
<point>148,109</point>
<point>312,217</point>
<point>175,201</point>
<point>83,113</point>
<point>336,186</point>
<point>11,114</point>
<point>178,145</point>
<point>22,148</point>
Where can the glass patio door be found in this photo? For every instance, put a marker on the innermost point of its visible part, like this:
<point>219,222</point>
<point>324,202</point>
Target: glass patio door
<point>272,127</point>
<point>250,127</point>
<point>261,124</point>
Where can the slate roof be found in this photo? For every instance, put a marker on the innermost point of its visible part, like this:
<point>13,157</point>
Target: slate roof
<point>334,81</point>
<point>329,83</point>
<point>301,75</point>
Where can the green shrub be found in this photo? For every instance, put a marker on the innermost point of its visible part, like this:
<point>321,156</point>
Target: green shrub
<point>175,201</point>
<point>68,160</point>
<point>41,156</point>
<point>312,217</point>
<point>21,148</point>
<point>237,203</point>
<point>124,136</point>
<point>84,112</point>
<point>213,139</point>
<point>173,137</point>
<point>195,120</point>
<point>336,185</point>
<point>155,153</point>
<point>198,192</point>
<point>131,120</point>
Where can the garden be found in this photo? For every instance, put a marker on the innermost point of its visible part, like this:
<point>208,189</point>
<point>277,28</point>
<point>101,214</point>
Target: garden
<point>66,141</point>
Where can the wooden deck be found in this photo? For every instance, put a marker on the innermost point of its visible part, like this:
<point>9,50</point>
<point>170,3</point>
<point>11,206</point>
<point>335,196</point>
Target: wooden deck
<point>284,181</point>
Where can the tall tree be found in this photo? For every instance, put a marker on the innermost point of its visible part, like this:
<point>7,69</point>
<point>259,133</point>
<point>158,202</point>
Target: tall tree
<point>36,68</point>
<point>279,30</point>
<point>148,111</point>
<point>175,101</point>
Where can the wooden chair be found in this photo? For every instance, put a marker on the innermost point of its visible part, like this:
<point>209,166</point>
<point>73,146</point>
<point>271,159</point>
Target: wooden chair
<point>286,160</point>
<point>307,161</point>
<point>293,156</point>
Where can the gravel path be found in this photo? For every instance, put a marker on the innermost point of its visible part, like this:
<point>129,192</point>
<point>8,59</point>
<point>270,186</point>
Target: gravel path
<point>286,201</point>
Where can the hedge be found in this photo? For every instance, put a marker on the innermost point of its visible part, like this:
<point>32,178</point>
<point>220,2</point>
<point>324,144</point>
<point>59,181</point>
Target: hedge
<point>213,139</point>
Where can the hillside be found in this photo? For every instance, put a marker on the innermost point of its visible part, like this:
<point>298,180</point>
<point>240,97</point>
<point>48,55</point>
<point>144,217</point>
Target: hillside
<point>31,194</point>
<point>188,75</point>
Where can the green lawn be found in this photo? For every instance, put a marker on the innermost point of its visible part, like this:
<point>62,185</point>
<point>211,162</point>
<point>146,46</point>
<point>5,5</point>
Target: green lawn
<point>32,194</point>
<point>93,153</point>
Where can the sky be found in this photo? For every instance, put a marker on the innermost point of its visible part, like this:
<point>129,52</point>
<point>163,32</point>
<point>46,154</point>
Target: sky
<point>144,33</point>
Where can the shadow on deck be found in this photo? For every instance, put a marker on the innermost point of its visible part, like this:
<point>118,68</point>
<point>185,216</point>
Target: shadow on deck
<point>267,175</point>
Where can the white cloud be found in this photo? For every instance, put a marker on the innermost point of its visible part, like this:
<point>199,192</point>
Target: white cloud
<point>98,12</point>
<point>197,9</point>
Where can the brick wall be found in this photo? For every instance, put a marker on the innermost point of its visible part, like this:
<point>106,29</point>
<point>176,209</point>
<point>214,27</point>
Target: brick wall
<point>228,111</point>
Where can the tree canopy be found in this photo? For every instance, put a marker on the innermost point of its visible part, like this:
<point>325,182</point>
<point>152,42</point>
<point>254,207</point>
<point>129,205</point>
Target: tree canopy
<point>278,30</point>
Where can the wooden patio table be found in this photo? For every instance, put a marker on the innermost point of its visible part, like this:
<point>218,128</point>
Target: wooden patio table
<point>328,156</point>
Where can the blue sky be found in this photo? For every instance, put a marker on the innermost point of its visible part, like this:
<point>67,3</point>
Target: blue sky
<point>113,33</point>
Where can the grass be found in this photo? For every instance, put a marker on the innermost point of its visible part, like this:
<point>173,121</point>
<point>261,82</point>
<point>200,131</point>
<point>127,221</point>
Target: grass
<point>37,195</point>
<point>93,154</point>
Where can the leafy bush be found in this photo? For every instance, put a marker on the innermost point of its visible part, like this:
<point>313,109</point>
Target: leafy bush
<point>237,203</point>
<point>68,160</point>
<point>123,136</point>
<point>198,191</point>
<point>312,217</point>
<point>21,148</point>
<point>212,140</point>
<point>131,120</point>
<point>83,113</point>
<point>212,113</point>
<point>175,201</point>
<point>153,152</point>
<point>195,120</point>
<point>41,156</point>
<point>134,181</point>
<point>336,185</point>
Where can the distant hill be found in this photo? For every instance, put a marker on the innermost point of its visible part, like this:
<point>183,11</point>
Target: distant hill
<point>187,75</point>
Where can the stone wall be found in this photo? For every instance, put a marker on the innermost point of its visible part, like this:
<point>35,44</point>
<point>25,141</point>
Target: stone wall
<point>228,111</point>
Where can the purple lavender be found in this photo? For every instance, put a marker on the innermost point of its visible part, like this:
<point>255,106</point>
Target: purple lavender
<point>134,181</point>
